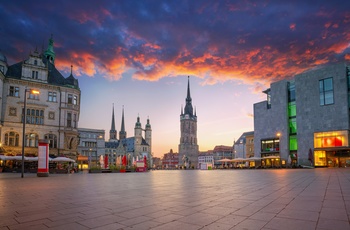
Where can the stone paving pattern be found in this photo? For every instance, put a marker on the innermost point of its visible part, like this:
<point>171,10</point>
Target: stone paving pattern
<point>192,199</point>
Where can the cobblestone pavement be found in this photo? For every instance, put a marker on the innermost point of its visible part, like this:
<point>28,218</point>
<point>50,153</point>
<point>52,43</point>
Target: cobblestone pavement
<point>192,199</point>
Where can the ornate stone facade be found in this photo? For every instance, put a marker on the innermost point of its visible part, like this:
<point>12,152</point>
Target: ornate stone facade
<point>52,115</point>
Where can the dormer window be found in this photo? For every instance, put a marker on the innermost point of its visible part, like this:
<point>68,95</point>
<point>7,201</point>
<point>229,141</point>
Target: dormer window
<point>35,62</point>
<point>35,75</point>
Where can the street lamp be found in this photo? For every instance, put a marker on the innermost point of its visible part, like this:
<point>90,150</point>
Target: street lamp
<point>32,91</point>
<point>96,147</point>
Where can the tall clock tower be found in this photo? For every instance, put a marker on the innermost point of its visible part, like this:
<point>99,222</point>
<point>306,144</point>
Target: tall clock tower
<point>188,147</point>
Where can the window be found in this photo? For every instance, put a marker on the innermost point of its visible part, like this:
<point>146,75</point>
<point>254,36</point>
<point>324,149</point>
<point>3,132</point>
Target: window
<point>35,62</point>
<point>292,126</point>
<point>70,99</point>
<point>331,139</point>
<point>11,139</point>
<point>293,143</point>
<point>74,121</point>
<point>69,119</point>
<point>291,91</point>
<point>326,91</point>
<point>31,140</point>
<point>14,91</point>
<point>52,140</point>
<point>33,96</point>
<point>269,100</point>
<point>52,96</point>
<point>34,116</point>
<point>292,109</point>
<point>271,145</point>
<point>75,100</point>
<point>35,74</point>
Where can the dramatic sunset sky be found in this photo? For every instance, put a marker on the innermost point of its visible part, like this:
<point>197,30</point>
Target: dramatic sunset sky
<point>139,54</point>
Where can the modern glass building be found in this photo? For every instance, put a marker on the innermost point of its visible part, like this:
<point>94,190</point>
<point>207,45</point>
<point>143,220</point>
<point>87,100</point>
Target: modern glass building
<point>306,120</point>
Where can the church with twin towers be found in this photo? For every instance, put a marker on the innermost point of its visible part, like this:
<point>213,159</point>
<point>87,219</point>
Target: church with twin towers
<point>188,147</point>
<point>135,147</point>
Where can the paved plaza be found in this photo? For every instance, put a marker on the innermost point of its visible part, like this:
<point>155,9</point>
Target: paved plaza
<point>192,199</point>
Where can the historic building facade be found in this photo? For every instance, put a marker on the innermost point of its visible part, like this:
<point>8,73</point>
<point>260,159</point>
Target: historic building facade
<point>244,146</point>
<point>134,148</point>
<point>53,114</point>
<point>188,147</point>
<point>170,160</point>
<point>306,120</point>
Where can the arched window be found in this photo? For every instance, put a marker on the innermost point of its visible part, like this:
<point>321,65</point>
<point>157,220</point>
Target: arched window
<point>11,139</point>
<point>31,140</point>
<point>52,139</point>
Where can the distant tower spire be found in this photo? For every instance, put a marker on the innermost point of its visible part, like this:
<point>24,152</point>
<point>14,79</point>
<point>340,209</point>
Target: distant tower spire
<point>49,53</point>
<point>188,107</point>
<point>122,133</point>
<point>113,131</point>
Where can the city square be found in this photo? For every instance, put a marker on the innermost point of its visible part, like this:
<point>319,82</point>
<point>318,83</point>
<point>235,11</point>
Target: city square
<point>178,199</point>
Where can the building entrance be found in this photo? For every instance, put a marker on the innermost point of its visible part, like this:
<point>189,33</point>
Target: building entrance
<point>338,158</point>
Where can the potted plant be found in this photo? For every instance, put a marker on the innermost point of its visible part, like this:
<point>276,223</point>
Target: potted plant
<point>95,169</point>
<point>122,169</point>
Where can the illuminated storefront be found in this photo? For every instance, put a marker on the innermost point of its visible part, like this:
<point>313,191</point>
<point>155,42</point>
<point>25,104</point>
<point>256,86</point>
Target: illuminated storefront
<point>332,149</point>
<point>270,152</point>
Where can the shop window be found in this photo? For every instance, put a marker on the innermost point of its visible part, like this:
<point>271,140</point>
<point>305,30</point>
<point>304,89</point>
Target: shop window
<point>331,139</point>
<point>320,158</point>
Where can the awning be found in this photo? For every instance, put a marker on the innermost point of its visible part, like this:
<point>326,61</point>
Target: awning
<point>239,159</point>
<point>272,157</point>
<point>224,160</point>
<point>254,159</point>
<point>61,159</point>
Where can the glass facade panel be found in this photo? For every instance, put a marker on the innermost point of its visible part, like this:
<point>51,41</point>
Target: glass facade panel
<point>293,143</point>
<point>292,109</point>
<point>292,126</point>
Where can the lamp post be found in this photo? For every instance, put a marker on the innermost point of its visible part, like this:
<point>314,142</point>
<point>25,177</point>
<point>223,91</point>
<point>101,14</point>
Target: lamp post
<point>97,138</point>
<point>33,91</point>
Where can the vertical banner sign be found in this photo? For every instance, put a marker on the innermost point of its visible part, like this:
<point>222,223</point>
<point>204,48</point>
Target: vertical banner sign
<point>43,158</point>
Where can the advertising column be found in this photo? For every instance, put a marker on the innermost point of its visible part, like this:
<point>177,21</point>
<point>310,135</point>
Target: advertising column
<point>43,158</point>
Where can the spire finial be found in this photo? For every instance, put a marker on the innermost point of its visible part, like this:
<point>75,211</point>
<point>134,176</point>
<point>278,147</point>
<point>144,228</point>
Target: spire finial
<point>71,69</point>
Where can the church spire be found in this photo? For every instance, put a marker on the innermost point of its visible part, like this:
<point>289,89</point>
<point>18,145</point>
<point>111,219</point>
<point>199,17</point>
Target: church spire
<point>188,107</point>
<point>113,132</point>
<point>113,121</point>
<point>122,133</point>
